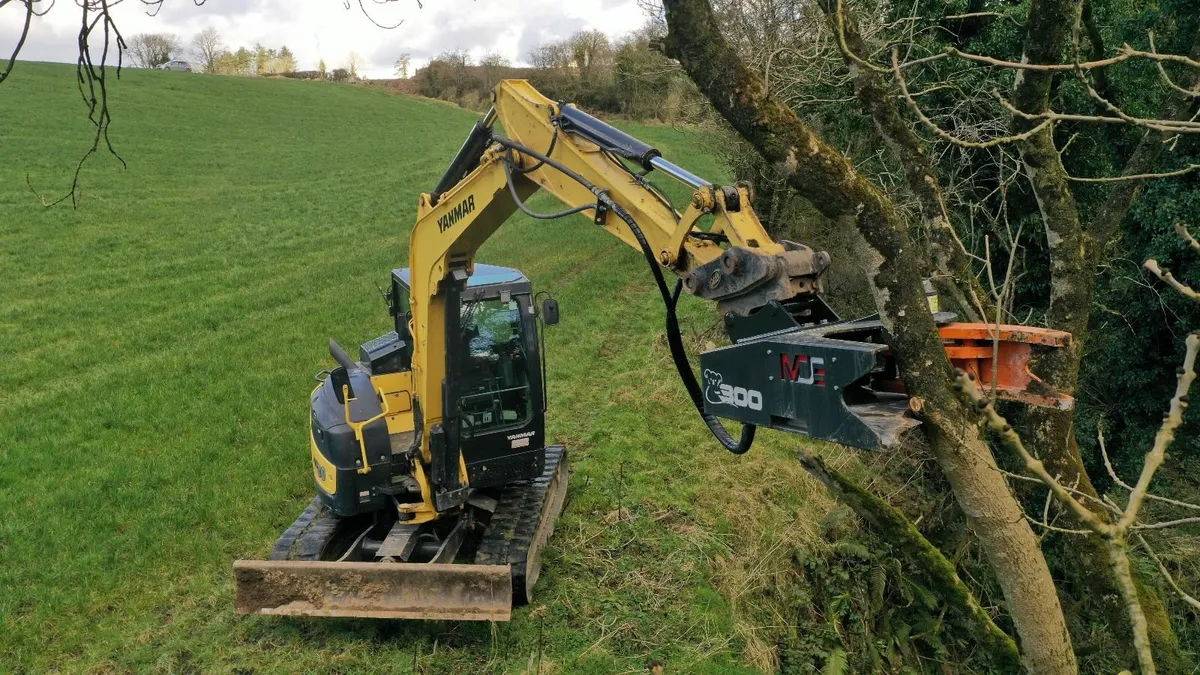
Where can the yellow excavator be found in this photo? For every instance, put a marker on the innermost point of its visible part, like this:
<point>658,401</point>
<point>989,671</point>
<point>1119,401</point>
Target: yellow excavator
<point>435,486</point>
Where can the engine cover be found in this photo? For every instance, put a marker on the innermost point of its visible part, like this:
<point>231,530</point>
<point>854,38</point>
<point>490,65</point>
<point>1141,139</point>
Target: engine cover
<point>337,455</point>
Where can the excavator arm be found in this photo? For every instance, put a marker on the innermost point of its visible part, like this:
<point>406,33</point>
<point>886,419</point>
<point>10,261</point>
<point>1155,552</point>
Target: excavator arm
<point>585,163</point>
<point>793,364</point>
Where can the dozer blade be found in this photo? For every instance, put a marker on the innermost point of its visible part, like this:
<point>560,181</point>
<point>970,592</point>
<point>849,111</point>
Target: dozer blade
<point>374,590</point>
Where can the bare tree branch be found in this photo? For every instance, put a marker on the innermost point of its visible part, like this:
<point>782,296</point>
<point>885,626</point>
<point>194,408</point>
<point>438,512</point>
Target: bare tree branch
<point>947,136</point>
<point>1166,277</point>
<point>950,255</point>
<point>828,180</point>
<point>1167,575</point>
<point>1135,177</point>
<point>12,60</point>
<point>1124,54</point>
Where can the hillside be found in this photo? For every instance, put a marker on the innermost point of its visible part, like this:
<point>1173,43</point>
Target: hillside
<point>158,349</point>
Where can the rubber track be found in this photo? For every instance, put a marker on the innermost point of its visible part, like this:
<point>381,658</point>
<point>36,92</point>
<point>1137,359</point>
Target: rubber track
<point>307,538</point>
<point>515,523</point>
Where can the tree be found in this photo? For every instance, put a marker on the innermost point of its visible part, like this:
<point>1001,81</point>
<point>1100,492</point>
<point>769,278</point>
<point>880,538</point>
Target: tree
<point>321,69</point>
<point>581,68</point>
<point>233,63</point>
<point>150,50</point>
<point>286,60</point>
<point>752,99</point>
<point>591,52</point>
<point>447,76</point>
<point>494,66</point>
<point>243,61</point>
<point>402,63</point>
<point>262,59</point>
<point>353,62</point>
<point>208,46</point>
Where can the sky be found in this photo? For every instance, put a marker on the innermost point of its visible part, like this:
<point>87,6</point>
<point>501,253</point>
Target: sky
<point>327,29</point>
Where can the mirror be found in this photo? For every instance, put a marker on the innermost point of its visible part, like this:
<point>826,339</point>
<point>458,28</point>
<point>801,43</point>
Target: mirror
<point>550,311</point>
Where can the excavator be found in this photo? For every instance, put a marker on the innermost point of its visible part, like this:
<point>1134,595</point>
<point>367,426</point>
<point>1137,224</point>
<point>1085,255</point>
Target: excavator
<point>436,486</point>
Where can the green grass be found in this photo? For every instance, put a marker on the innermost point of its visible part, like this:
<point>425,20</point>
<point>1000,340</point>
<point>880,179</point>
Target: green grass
<point>156,353</point>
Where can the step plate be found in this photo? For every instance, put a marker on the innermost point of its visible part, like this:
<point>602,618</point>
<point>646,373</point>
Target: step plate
<point>374,590</point>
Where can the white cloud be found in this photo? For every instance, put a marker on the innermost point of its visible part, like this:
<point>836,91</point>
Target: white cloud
<point>326,29</point>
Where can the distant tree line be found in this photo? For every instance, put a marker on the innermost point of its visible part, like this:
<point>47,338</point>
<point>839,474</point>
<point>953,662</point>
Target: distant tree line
<point>208,52</point>
<point>623,77</point>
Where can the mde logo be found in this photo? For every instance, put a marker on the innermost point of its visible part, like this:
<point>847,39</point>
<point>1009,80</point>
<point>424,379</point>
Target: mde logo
<point>716,391</point>
<point>803,370</point>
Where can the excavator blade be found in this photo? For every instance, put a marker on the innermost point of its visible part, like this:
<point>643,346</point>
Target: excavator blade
<point>374,590</point>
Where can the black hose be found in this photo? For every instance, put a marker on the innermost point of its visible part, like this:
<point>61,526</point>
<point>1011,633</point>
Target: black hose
<point>549,151</point>
<point>512,189</point>
<point>674,337</point>
<point>562,168</point>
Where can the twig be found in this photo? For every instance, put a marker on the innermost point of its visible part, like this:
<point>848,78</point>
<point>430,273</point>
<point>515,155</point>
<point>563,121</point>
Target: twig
<point>1182,231</point>
<point>1179,127</point>
<point>1137,176</point>
<point>965,383</point>
<point>945,135</point>
<point>974,15</point>
<point>1165,524</point>
<point>12,60</point>
<point>1117,479</point>
<point>1121,117</point>
<point>1167,575</point>
<point>1053,528</point>
<point>372,19</point>
<point>840,23</point>
<point>1167,78</point>
<point>1124,54</point>
<point>1074,491</point>
<point>1165,275</point>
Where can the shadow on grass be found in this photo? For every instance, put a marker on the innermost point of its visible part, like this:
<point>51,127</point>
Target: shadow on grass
<point>395,633</point>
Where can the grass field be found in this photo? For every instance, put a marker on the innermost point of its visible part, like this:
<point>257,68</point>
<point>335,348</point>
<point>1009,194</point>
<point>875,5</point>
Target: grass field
<point>157,347</point>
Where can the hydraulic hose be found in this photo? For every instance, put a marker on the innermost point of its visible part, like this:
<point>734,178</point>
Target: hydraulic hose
<point>512,189</point>
<point>674,337</point>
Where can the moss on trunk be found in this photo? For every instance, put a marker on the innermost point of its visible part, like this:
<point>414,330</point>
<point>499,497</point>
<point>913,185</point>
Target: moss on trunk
<point>1074,253</point>
<point>924,559</point>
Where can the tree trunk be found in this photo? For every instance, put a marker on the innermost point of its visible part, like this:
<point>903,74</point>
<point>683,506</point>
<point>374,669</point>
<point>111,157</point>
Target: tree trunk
<point>1074,252</point>
<point>955,278</point>
<point>824,177</point>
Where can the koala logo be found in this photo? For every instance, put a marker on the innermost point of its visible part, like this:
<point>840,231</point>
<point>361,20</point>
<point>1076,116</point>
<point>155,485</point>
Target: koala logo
<point>717,392</point>
<point>712,386</point>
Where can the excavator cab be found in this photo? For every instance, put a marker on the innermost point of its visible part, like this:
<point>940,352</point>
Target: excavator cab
<point>497,390</point>
<point>494,383</point>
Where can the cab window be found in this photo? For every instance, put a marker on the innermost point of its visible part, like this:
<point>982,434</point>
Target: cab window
<point>495,391</point>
